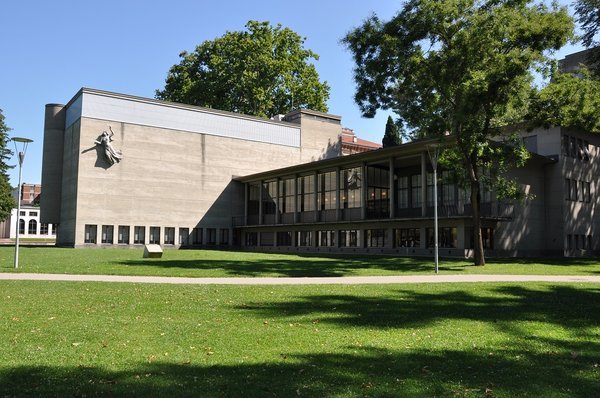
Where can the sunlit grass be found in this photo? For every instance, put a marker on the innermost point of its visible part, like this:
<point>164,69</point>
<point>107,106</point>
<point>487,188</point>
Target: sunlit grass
<point>213,263</point>
<point>473,340</point>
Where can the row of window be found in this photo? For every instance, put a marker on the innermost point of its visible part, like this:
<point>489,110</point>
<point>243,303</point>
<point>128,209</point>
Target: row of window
<point>23,213</point>
<point>32,228</point>
<point>579,242</point>
<point>125,237</point>
<point>402,237</point>
<point>302,194</point>
<point>578,190</point>
<point>576,148</point>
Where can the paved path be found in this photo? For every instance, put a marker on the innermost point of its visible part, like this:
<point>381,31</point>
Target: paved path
<point>345,280</point>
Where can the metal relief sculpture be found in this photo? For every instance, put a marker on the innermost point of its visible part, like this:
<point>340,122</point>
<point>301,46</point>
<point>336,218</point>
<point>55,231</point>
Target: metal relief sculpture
<point>111,155</point>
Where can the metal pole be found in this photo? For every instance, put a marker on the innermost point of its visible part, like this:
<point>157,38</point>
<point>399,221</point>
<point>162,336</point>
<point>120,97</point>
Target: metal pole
<point>435,217</point>
<point>19,195</point>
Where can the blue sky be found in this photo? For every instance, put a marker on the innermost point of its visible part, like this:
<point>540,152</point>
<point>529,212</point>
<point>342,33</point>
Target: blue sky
<point>50,49</point>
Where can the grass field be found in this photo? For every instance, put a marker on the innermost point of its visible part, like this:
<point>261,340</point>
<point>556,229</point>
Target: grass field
<point>212,263</point>
<point>458,340</point>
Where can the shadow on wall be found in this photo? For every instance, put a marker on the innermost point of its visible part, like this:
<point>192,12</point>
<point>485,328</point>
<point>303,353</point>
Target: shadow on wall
<point>229,204</point>
<point>333,150</point>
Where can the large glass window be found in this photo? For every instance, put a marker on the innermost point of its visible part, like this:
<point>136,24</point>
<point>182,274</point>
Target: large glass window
<point>284,238</point>
<point>269,197</point>
<point>197,236</point>
<point>44,229</point>
<point>415,190</point>
<point>349,238</point>
<point>21,226</point>
<point>32,227</point>
<point>378,193</point>
<point>304,238</point>
<point>253,199</point>
<point>107,234</point>
<point>155,235</point>
<point>139,235</point>
<point>169,236</point>
<point>306,191</point>
<point>90,232</point>
<point>251,238</point>
<point>123,237</point>
<point>407,237</point>
<point>224,236</point>
<point>327,195</point>
<point>211,236</point>
<point>375,237</point>
<point>287,193</point>
<point>184,236</point>
<point>448,188</point>
<point>403,192</point>
<point>326,238</point>
<point>350,187</point>
<point>447,237</point>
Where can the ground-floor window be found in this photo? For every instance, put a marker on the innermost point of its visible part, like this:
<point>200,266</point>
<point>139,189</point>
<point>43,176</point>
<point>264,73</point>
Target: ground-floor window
<point>107,234</point>
<point>304,238</point>
<point>349,238</point>
<point>32,227</point>
<point>21,226</point>
<point>326,238</point>
<point>90,232</point>
<point>487,237</point>
<point>251,238</point>
<point>211,236</point>
<point>197,236</point>
<point>284,238</point>
<point>155,235</point>
<point>169,236</point>
<point>407,237</point>
<point>224,236</point>
<point>43,229</point>
<point>184,236</point>
<point>267,238</point>
<point>447,237</point>
<point>123,237</point>
<point>139,235</point>
<point>375,238</point>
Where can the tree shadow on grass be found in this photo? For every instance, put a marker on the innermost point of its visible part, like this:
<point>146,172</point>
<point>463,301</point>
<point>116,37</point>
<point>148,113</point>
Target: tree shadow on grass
<point>299,266</point>
<point>358,372</point>
<point>558,305</point>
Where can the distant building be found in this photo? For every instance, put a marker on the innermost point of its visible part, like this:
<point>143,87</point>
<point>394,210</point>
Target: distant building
<point>351,144</point>
<point>29,218</point>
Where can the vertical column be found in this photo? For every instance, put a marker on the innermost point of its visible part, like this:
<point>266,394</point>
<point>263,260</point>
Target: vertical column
<point>260,207</point>
<point>423,183</point>
<point>315,194</point>
<point>277,217</point>
<point>338,215</point>
<point>363,192</point>
<point>295,199</point>
<point>245,220</point>
<point>392,195</point>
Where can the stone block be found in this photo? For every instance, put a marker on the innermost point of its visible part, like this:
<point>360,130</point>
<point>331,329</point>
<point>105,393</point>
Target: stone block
<point>153,251</point>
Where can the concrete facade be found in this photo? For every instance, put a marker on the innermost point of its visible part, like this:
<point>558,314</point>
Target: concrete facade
<point>169,177</point>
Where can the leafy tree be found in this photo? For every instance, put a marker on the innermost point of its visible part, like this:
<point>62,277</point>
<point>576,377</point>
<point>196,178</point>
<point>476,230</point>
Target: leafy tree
<point>7,202</point>
<point>569,100</point>
<point>455,67</point>
<point>588,16</point>
<point>392,134</point>
<point>262,71</point>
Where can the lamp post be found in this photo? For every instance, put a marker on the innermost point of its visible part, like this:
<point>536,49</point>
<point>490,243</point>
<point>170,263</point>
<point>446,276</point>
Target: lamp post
<point>434,154</point>
<point>24,142</point>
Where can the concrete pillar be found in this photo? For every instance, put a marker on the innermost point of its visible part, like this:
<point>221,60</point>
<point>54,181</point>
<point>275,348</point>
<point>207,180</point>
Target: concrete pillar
<point>392,194</point>
<point>423,183</point>
<point>363,192</point>
<point>315,194</point>
<point>52,161</point>
<point>260,207</point>
<point>338,213</point>
<point>277,218</point>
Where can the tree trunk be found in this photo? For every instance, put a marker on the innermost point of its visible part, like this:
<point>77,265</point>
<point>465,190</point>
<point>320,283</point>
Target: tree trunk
<point>478,254</point>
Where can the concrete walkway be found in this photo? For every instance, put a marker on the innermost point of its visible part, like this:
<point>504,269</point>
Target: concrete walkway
<point>345,280</point>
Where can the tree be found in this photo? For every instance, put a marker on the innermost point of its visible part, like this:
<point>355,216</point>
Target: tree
<point>262,71</point>
<point>457,67</point>
<point>568,100</point>
<point>588,16</point>
<point>392,134</point>
<point>7,202</point>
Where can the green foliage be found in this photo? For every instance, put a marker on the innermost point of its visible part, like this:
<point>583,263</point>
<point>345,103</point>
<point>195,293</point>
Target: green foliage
<point>392,134</point>
<point>262,71</point>
<point>568,100</point>
<point>7,202</point>
<point>458,67</point>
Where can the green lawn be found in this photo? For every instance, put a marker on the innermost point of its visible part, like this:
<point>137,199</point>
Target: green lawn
<point>458,340</point>
<point>212,263</point>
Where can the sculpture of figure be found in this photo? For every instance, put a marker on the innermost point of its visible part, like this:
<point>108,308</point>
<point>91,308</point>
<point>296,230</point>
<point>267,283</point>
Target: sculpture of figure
<point>111,155</point>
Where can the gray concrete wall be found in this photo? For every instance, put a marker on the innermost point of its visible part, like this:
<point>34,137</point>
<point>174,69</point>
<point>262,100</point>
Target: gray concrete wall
<point>52,159</point>
<point>167,178</point>
<point>69,184</point>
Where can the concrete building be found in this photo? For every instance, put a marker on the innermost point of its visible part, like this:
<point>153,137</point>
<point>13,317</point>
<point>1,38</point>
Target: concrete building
<point>180,175</point>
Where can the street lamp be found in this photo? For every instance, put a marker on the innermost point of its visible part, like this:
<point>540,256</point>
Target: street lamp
<point>24,142</point>
<point>434,154</point>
